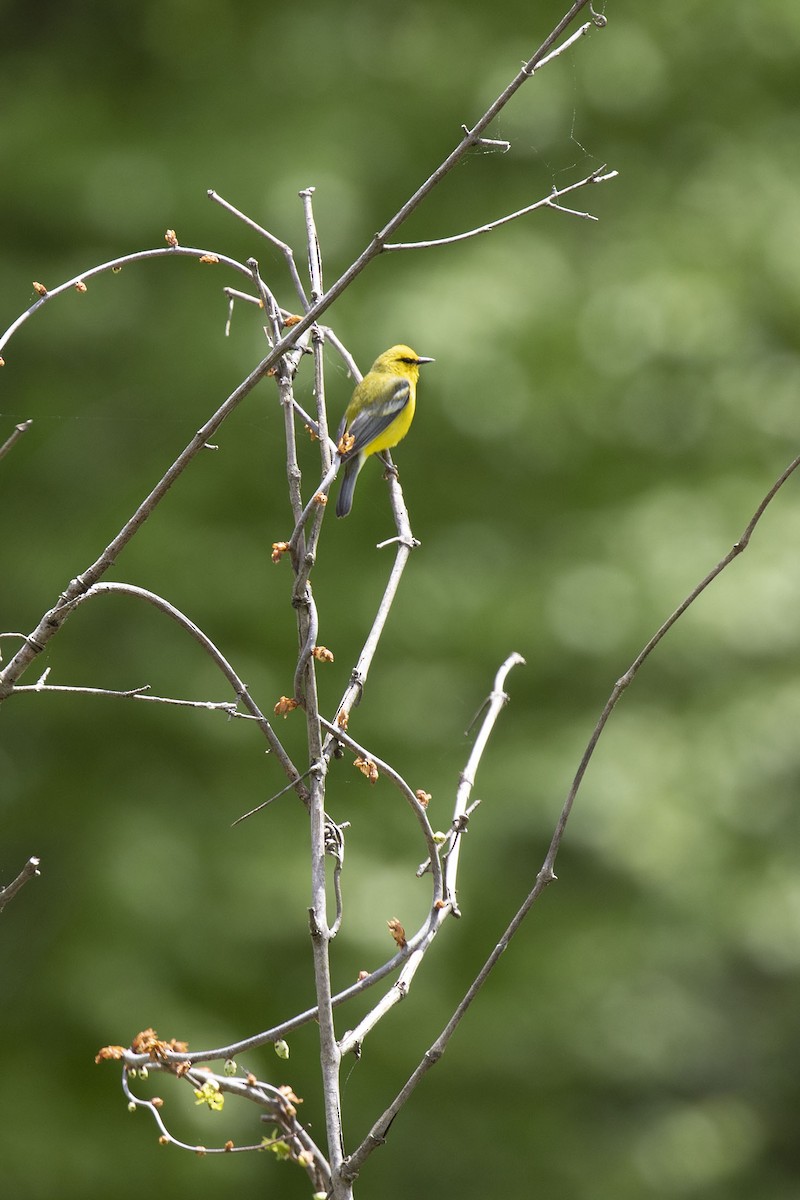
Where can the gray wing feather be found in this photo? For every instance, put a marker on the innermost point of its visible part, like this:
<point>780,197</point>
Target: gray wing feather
<point>367,424</point>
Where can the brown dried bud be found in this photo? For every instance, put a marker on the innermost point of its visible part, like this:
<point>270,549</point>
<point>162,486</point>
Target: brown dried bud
<point>171,237</point>
<point>346,443</point>
<point>343,719</point>
<point>322,654</point>
<point>109,1053</point>
<point>423,797</point>
<point>321,499</point>
<point>367,768</point>
<point>284,706</point>
<point>397,932</point>
<point>80,287</point>
<point>157,1102</point>
<point>208,258</point>
<point>278,551</point>
<point>148,1042</point>
<point>229,1146</point>
<point>289,321</point>
<point>363,975</point>
<point>39,288</point>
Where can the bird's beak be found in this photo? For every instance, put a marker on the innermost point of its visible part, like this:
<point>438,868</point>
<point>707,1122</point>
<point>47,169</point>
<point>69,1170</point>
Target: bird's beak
<point>421,360</point>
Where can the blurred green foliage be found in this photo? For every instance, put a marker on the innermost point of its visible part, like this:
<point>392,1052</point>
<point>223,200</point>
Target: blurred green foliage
<point>609,403</point>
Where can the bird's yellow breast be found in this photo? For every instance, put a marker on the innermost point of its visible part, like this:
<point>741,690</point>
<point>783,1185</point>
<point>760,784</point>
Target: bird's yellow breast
<point>396,431</point>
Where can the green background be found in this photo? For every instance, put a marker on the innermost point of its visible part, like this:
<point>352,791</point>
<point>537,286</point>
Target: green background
<point>609,403</point>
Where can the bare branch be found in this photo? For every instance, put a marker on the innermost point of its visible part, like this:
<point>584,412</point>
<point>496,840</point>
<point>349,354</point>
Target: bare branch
<point>625,680</point>
<point>278,1109</point>
<point>227,707</point>
<point>115,264</point>
<point>597,21</point>
<point>497,700</point>
<point>408,794</point>
<point>29,871</point>
<point>312,244</point>
<point>239,687</point>
<point>494,706</point>
<point>14,437</point>
<point>285,250</point>
<point>597,176</point>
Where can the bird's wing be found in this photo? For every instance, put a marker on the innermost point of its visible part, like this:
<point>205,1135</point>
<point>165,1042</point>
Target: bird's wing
<point>374,418</point>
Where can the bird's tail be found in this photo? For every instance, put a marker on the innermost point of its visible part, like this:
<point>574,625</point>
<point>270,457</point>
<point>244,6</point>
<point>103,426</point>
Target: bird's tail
<point>344,501</point>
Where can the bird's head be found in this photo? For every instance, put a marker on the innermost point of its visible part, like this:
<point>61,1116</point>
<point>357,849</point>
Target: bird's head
<point>400,360</point>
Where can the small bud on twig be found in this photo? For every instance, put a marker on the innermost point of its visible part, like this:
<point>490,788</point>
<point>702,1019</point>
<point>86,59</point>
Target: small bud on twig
<point>367,768</point>
<point>397,931</point>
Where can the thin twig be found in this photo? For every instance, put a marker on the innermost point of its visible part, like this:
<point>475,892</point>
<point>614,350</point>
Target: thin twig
<point>29,871</point>
<point>408,794</point>
<point>14,437</point>
<point>625,680</point>
<point>218,658</point>
<point>491,710</point>
<point>597,22</point>
<point>285,250</point>
<point>406,542</point>
<point>352,1041</point>
<point>139,693</point>
<point>115,264</point>
<point>597,176</point>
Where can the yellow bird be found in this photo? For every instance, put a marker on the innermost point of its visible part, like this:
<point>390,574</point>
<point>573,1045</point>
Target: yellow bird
<point>378,416</point>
